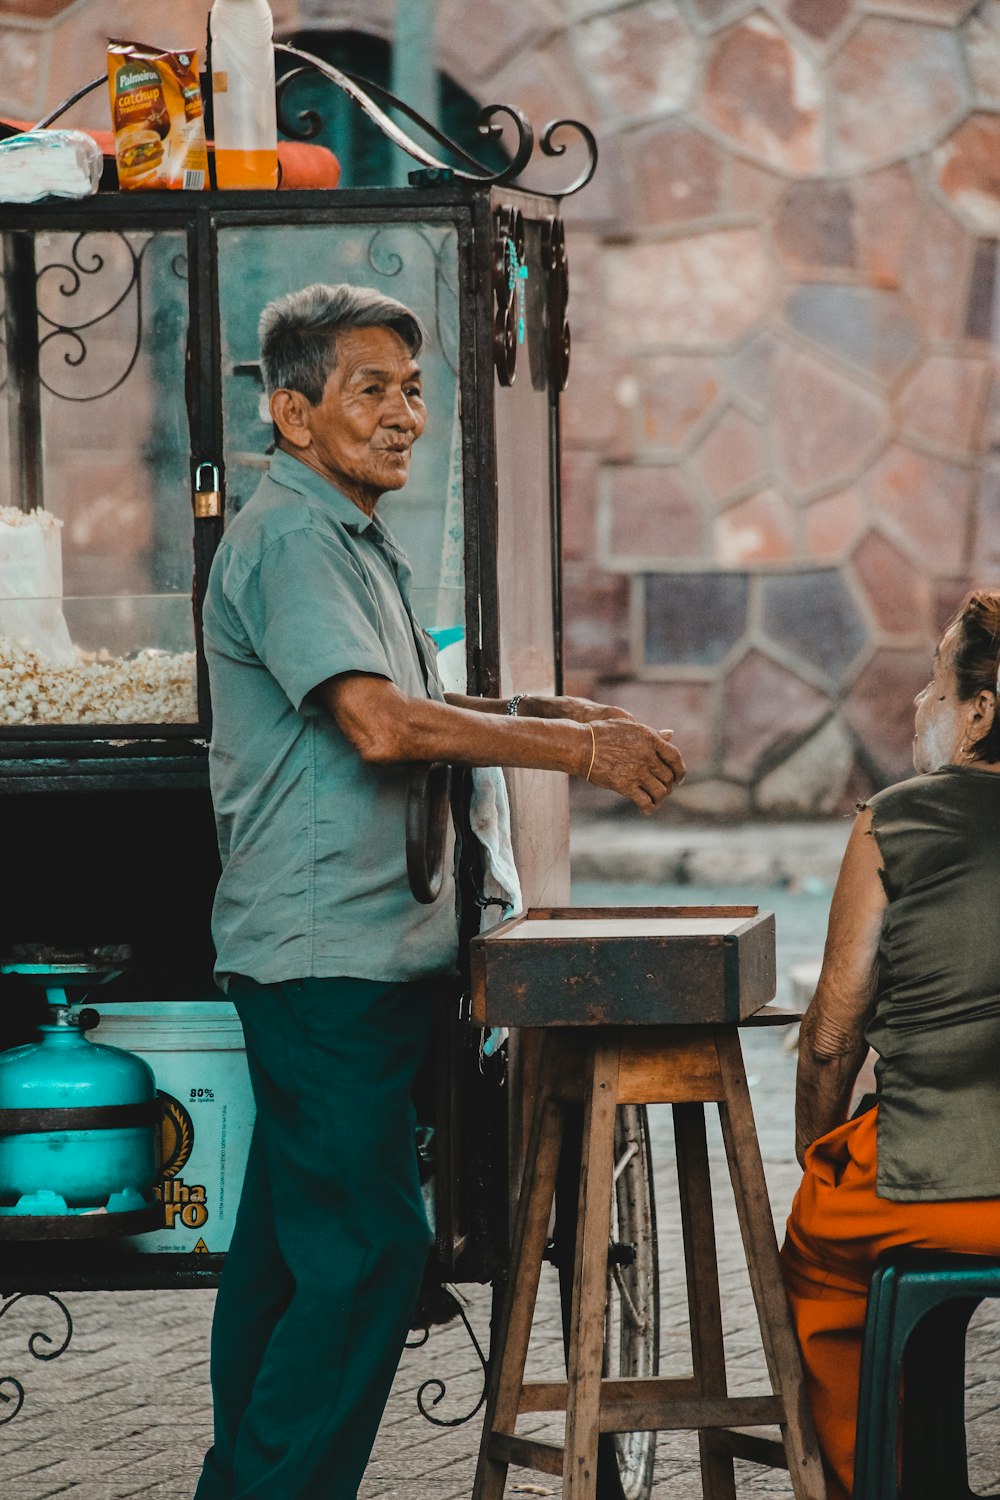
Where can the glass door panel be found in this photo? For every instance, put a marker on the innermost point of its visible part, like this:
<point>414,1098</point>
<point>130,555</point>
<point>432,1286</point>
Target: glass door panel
<point>415,263</point>
<point>96,556</point>
<point>526,582</point>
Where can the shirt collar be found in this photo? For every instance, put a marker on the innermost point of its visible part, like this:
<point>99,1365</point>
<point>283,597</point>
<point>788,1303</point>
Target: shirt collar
<point>295,475</point>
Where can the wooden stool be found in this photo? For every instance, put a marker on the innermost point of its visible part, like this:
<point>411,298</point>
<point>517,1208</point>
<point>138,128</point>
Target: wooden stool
<point>601,1067</point>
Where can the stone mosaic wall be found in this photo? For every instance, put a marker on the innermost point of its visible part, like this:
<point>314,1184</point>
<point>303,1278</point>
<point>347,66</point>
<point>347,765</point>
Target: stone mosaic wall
<point>782,474</point>
<point>782,438</point>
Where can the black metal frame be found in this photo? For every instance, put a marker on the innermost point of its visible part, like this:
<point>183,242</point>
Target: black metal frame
<point>483,227</point>
<point>370,97</point>
<point>145,760</point>
<point>39,760</point>
<point>445,187</point>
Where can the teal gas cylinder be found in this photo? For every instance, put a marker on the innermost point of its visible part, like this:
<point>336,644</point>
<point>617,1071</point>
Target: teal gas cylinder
<point>78,1126</point>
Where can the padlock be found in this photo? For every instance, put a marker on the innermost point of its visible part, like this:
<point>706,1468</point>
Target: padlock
<point>207,497</point>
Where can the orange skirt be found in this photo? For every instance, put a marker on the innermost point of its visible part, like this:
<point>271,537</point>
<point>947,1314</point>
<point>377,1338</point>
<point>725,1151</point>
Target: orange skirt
<point>837,1229</point>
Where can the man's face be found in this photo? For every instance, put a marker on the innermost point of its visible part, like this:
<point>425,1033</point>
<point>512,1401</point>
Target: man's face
<point>371,413</point>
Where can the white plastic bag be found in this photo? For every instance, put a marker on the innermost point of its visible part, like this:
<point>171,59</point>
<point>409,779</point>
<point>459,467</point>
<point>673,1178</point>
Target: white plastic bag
<point>49,164</point>
<point>31,584</point>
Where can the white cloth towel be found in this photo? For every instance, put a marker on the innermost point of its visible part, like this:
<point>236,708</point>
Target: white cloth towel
<point>489,817</point>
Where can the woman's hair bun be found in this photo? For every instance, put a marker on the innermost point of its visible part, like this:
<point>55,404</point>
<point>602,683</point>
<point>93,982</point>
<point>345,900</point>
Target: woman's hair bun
<point>976,657</point>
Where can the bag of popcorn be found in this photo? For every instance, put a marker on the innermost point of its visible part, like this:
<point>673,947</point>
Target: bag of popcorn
<point>31,585</point>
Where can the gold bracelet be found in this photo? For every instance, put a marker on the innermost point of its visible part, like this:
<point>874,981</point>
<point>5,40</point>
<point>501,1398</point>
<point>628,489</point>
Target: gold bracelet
<point>593,749</point>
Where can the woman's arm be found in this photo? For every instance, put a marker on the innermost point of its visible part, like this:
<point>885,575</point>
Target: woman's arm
<point>831,1045</point>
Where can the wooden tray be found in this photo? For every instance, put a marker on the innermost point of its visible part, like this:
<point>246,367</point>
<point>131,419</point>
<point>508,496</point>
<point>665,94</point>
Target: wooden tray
<point>624,966</point>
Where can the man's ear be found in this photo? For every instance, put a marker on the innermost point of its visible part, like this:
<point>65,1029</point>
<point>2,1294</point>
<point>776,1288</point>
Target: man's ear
<point>290,414</point>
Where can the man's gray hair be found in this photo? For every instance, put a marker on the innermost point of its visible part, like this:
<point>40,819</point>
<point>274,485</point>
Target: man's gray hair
<point>298,333</point>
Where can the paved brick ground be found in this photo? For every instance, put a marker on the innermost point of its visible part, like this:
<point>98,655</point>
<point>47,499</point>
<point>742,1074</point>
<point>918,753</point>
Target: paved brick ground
<point>125,1412</point>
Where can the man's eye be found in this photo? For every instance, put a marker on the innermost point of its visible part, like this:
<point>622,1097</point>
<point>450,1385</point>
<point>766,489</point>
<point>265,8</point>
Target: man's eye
<point>371,390</point>
<point>416,392</point>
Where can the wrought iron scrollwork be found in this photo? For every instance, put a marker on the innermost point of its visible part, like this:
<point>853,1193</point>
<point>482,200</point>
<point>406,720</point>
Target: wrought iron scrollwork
<point>84,262</point>
<point>370,97</point>
<point>387,261</point>
<point>433,1391</point>
<point>556,268</point>
<point>11,1389</point>
<point>59,282</point>
<point>307,125</point>
<point>551,148</point>
<point>508,290</point>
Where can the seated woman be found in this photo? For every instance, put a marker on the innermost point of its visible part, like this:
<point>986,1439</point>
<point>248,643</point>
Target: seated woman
<point>912,968</point>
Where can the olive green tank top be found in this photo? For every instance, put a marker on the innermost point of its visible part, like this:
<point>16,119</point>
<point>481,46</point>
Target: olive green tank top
<point>936,1022</point>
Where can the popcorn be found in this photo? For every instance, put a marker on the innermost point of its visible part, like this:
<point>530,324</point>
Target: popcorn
<point>44,677</point>
<point>11,516</point>
<point>154,687</point>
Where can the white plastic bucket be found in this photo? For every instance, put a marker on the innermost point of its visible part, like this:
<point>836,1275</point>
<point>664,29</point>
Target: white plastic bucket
<point>198,1057</point>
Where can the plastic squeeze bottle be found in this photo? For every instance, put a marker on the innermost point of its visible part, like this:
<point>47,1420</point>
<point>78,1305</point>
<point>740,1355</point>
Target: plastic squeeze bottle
<point>246,133</point>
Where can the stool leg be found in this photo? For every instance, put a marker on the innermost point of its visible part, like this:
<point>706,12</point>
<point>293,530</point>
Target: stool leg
<point>935,1456</point>
<point>590,1273</point>
<point>877,1447</point>
<point>510,1339</point>
<point>757,1227</point>
<point>702,1274</point>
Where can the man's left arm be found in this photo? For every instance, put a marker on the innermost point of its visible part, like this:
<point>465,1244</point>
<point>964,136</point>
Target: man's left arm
<point>582,710</point>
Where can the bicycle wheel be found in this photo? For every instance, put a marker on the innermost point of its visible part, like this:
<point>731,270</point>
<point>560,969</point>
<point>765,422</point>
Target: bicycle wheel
<point>632,1317</point>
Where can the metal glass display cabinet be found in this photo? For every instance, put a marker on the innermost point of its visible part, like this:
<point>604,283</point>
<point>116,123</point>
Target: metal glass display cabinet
<point>132,425</point>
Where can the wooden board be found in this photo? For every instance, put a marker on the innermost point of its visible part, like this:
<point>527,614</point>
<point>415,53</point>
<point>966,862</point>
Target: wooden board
<point>625,927</point>
<point>609,966</point>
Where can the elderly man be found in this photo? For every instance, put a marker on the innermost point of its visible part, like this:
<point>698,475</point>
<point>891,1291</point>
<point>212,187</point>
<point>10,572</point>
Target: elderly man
<point>324,689</point>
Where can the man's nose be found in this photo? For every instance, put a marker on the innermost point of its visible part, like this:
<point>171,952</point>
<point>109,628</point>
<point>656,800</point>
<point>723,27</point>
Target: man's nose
<point>399,412</point>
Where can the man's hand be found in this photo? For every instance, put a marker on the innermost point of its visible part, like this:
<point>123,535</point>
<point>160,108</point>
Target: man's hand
<point>580,709</point>
<point>636,762</point>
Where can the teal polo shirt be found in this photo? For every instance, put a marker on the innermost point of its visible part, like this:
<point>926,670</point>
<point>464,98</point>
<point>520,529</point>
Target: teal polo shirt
<point>303,587</point>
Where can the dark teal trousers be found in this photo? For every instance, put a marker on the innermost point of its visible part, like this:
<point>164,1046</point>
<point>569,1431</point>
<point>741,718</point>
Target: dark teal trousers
<point>330,1241</point>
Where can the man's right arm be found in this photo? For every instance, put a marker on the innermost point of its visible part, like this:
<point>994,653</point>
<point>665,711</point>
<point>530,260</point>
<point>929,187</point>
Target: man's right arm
<point>387,727</point>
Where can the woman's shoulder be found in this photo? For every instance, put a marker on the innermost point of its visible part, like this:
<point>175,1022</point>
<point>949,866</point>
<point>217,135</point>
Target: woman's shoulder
<point>914,790</point>
<point>950,787</point>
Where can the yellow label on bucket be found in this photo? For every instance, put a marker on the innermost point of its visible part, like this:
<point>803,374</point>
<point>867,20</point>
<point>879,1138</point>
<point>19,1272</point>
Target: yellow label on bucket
<point>184,1204</point>
<point>176,1135</point>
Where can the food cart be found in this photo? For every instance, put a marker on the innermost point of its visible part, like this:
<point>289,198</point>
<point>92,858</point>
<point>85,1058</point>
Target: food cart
<point>131,426</point>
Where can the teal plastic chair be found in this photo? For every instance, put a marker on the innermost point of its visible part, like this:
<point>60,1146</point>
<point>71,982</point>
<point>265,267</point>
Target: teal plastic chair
<point>919,1307</point>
